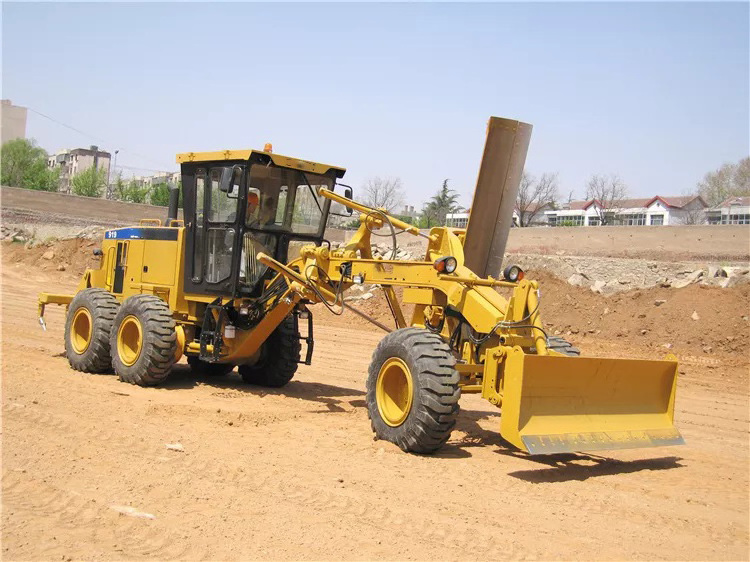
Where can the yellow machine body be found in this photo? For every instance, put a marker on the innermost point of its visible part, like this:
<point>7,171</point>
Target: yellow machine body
<point>550,402</point>
<point>153,266</point>
<point>146,264</point>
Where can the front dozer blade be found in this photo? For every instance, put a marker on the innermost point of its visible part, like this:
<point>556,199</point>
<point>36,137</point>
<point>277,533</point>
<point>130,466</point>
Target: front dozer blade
<point>554,404</point>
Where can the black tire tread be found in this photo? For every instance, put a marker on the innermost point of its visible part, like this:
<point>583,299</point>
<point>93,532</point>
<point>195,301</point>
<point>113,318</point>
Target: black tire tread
<point>561,345</point>
<point>159,341</point>
<point>282,354</point>
<point>102,306</point>
<point>436,391</point>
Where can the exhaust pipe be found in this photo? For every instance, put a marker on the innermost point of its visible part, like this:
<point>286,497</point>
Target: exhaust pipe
<point>174,202</point>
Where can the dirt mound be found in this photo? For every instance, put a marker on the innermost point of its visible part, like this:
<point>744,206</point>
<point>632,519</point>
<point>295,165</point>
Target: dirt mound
<point>73,256</point>
<point>696,319</point>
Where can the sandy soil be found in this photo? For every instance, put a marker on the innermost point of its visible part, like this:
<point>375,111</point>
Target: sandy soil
<point>295,473</point>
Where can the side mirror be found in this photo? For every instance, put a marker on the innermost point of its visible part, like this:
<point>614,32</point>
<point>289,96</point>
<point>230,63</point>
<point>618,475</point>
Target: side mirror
<point>230,181</point>
<point>337,208</point>
<point>225,183</point>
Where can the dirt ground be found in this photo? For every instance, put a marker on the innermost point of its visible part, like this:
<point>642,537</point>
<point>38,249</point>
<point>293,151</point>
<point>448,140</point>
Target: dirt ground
<point>295,473</point>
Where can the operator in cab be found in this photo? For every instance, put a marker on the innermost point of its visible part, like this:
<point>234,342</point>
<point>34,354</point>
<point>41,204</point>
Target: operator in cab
<point>259,215</point>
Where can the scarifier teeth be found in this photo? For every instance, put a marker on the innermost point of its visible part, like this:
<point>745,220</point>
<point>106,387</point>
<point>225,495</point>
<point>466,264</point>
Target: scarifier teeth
<point>42,323</point>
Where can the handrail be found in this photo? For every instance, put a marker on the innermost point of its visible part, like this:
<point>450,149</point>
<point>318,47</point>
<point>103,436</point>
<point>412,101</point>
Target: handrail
<point>109,279</point>
<point>405,226</point>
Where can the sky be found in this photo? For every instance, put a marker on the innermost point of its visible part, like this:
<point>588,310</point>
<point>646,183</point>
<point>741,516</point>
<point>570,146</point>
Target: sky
<point>655,92</point>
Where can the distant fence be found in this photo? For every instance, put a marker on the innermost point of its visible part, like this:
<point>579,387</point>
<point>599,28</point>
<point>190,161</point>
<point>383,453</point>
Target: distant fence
<point>99,211</point>
<point>715,242</point>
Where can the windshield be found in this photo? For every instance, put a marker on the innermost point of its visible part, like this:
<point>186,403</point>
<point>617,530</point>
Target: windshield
<point>285,200</point>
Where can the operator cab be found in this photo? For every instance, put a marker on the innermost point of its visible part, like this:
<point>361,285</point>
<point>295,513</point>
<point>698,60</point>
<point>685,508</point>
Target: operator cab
<point>240,203</point>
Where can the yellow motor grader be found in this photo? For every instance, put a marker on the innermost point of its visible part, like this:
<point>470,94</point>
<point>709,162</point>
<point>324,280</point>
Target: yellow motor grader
<point>231,284</point>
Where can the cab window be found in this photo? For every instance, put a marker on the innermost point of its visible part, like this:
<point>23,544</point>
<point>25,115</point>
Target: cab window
<point>200,187</point>
<point>222,205</point>
<point>285,199</point>
<point>307,210</point>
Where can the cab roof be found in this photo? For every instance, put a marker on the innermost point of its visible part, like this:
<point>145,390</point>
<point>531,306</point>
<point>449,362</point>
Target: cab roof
<point>277,159</point>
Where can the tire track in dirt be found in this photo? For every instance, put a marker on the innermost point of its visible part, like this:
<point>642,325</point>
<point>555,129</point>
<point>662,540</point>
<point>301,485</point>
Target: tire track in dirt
<point>323,499</point>
<point>314,497</point>
<point>70,510</point>
<point>338,504</point>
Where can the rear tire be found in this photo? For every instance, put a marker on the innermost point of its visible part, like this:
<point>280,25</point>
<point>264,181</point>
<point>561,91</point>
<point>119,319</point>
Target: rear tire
<point>563,346</point>
<point>412,390</point>
<point>206,369</point>
<point>87,330</point>
<point>143,341</point>
<point>279,357</point>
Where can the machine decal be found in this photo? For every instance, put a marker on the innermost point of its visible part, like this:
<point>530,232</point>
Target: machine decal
<point>142,234</point>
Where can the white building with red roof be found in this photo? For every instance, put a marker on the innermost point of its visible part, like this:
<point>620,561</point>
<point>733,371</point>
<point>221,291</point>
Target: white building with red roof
<point>659,210</point>
<point>735,210</point>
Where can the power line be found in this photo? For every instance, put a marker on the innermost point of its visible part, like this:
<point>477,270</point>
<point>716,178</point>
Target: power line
<point>139,168</point>
<point>99,139</point>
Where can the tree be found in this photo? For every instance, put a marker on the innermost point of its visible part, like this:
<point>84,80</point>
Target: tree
<point>90,183</point>
<point>180,202</point>
<point>693,214</point>
<point>428,216</point>
<point>533,195</point>
<point>384,193</point>
<point>160,195</point>
<point>132,191</point>
<point>730,180</point>
<point>742,176</point>
<point>406,218</point>
<point>441,204</point>
<point>607,192</point>
<point>119,187</point>
<point>42,178</point>
<point>24,164</point>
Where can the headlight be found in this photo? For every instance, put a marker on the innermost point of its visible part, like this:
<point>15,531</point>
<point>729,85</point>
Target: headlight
<point>446,264</point>
<point>513,273</point>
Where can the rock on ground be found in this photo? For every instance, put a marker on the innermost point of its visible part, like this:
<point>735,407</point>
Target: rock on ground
<point>613,275</point>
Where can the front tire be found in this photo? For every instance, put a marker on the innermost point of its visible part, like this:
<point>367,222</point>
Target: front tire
<point>87,330</point>
<point>412,390</point>
<point>279,357</point>
<point>143,341</point>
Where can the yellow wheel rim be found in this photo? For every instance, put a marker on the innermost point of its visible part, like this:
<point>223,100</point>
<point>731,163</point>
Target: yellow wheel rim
<point>394,392</point>
<point>129,340</point>
<point>81,329</point>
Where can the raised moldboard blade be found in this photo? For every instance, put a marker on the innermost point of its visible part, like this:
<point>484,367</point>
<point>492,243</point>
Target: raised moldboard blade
<point>554,404</point>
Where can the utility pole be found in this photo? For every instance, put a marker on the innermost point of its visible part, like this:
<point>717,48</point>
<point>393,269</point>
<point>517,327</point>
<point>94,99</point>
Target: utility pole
<point>112,170</point>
